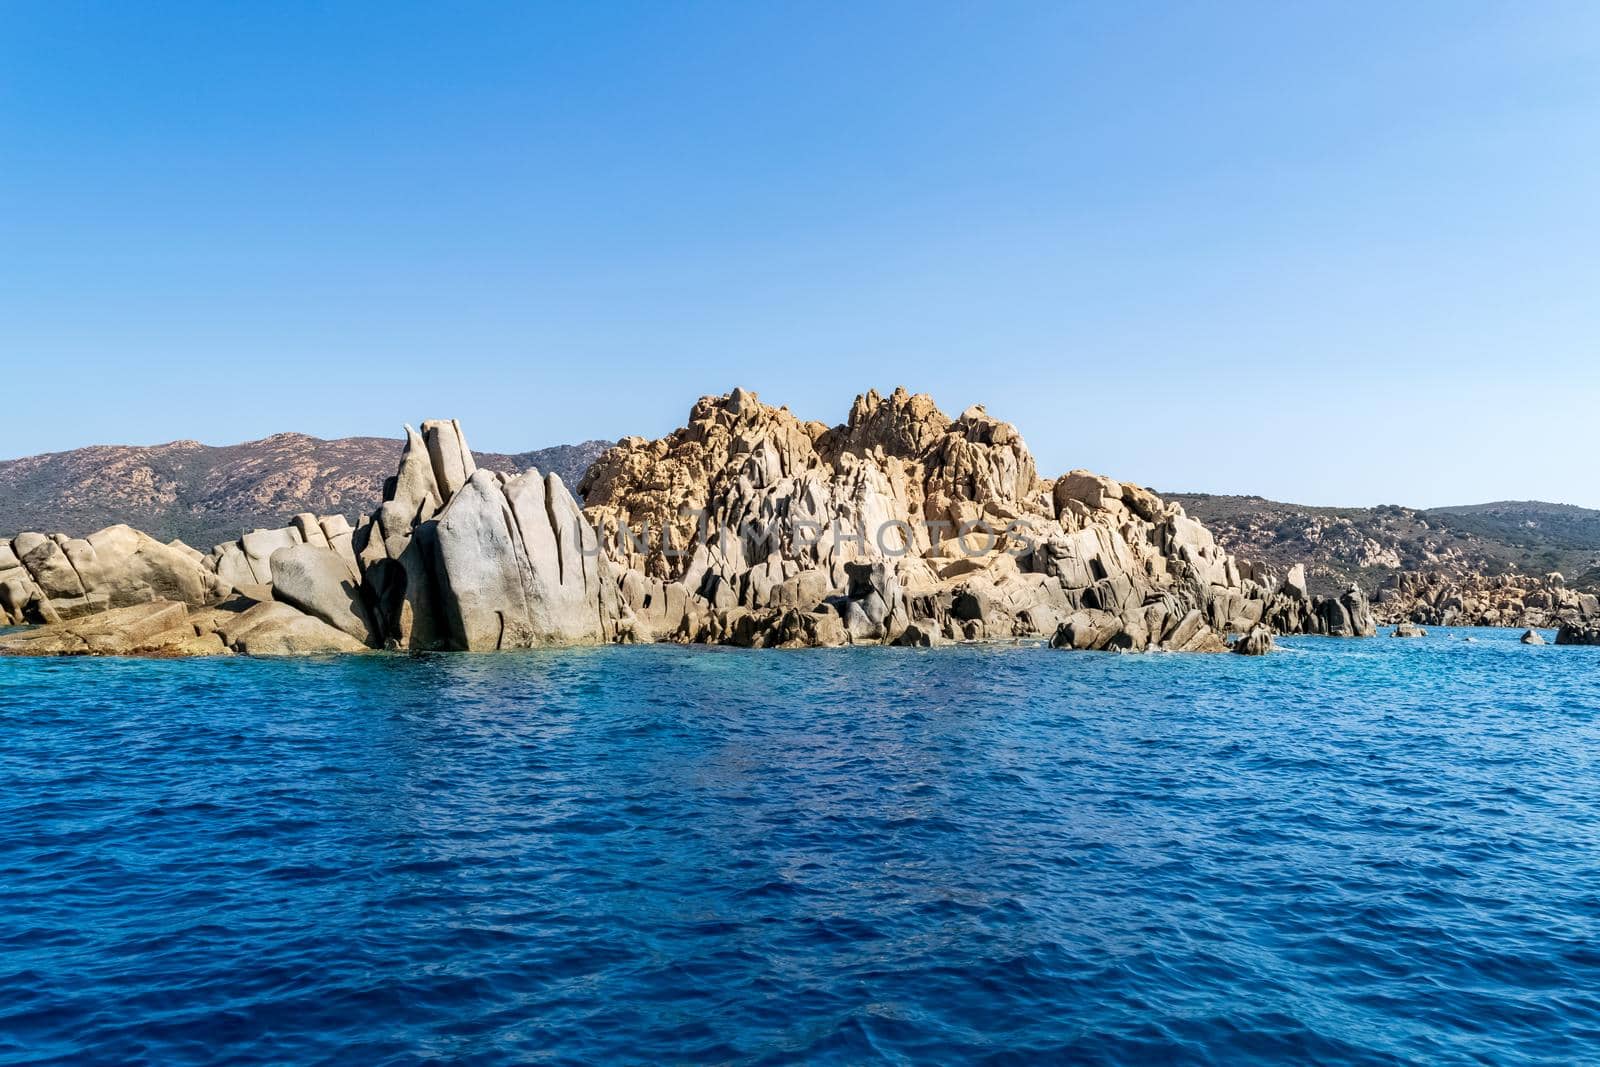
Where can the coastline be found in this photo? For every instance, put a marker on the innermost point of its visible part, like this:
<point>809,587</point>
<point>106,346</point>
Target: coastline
<point>745,527</point>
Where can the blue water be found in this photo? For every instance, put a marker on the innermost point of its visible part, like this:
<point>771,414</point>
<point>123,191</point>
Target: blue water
<point>1350,852</point>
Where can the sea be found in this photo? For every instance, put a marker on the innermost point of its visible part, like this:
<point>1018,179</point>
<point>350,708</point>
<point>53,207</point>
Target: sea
<point>1371,851</point>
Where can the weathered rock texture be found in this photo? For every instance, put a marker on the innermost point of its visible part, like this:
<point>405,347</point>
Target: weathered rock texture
<point>754,526</point>
<point>747,527</point>
<point>1437,598</point>
<point>1577,633</point>
<point>458,557</point>
<point>171,628</point>
<point>454,557</point>
<point>46,579</point>
<point>1258,642</point>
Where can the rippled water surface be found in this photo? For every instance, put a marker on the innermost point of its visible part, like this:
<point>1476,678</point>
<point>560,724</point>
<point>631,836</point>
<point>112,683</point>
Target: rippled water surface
<point>1351,852</point>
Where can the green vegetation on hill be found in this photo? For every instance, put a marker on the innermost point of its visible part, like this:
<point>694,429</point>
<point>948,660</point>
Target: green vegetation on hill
<point>1366,545</point>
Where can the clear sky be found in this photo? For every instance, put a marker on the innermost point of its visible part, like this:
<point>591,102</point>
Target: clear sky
<point>1343,254</point>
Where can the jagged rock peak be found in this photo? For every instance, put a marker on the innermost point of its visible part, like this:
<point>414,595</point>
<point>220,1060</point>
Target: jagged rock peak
<point>737,459</point>
<point>903,424</point>
<point>461,557</point>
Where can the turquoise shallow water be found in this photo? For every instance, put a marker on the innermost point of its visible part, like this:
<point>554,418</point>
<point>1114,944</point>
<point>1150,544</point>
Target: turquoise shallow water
<point>1351,852</point>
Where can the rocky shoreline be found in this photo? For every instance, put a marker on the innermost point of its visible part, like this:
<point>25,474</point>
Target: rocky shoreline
<point>747,527</point>
<point>1436,598</point>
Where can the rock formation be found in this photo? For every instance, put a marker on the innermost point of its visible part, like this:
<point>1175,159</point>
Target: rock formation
<point>276,629</point>
<point>748,526</point>
<point>1293,610</point>
<point>461,558</point>
<point>1341,545</point>
<point>1258,642</point>
<point>170,628</point>
<point>454,558</point>
<point>1577,633</point>
<point>46,579</point>
<point>1435,598</point>
<point>750,522</point>
<point>322,583</point>
<point>248,561</point>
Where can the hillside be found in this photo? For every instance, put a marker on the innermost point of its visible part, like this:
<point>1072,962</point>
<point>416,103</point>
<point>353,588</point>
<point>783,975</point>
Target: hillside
<point>206,494</point>
<point>1366,545</point>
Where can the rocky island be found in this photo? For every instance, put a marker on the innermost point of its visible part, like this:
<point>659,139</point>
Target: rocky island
<point>748,526</point>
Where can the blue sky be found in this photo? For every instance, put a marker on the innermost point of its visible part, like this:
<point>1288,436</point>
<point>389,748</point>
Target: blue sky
<point>1341,254</point>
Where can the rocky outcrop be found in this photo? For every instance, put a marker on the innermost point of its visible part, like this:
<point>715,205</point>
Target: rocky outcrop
<point>1342,546</point>
<point>45,579</point>
<point>1437,598</point>
<point>140,628</point>
<point>1347,615</point>
<point>248,560</point>
<point>746,527</point>
<point>320,582</point>
<point>1258,642</point>
<point>764,522</point>
<point>518,567</point>
<point>1101,631</point>
<point>279,629</point>
<point>395,552</point>
<point>457,557</point>
<point>1577,633</point>
<point>1406,629</point>
<point>170,628</point>
<point>1291,610</point>
<point>1532,637</point>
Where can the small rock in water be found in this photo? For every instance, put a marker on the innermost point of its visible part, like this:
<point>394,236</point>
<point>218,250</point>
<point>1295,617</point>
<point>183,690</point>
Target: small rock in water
<point>1532,637</point>
<point>1407,629</point>
<point>1258,642</point>
<point>1578,633</point>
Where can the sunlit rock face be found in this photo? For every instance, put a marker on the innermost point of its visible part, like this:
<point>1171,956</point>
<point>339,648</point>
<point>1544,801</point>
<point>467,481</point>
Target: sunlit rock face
<point>747,526</point>
<point>755,516</point>
<point>457,557</point>
<point>1442,598</point>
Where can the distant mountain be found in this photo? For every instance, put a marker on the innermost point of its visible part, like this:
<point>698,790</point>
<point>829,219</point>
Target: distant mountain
<point>1366,545</point>
<point>207,494</point>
